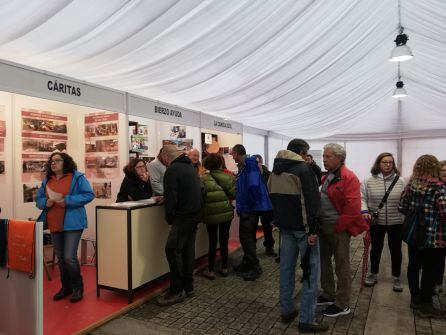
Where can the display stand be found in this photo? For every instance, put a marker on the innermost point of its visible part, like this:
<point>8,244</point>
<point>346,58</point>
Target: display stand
<point>132,239</point>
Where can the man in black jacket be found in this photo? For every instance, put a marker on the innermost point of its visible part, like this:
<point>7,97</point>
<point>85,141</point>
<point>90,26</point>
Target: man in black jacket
<point>183,203</point>
<point>295,197</point>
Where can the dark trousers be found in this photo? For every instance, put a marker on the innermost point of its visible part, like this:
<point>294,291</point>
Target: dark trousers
<point>440,274</point>
<point>377,233</point>
<point>426,260</point>
<point>66,244</point>
<point>247,235</point>
<point>180,253</point>
<point>222,230</point>
<point>267,218</point>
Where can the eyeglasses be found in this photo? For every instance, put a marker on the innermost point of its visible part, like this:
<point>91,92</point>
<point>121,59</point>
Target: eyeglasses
<point>387,162</point>
<point>140,167</point>
<point>55,161</point>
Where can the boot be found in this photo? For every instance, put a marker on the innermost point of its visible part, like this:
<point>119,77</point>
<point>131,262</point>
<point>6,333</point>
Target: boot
<point>63,292</point>
<point>78,294</point>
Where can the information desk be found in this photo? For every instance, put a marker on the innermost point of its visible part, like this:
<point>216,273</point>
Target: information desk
<point>130,245</point>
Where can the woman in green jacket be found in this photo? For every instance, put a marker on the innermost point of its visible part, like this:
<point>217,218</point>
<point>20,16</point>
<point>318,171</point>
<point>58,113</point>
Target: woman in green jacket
<point>218,211</point>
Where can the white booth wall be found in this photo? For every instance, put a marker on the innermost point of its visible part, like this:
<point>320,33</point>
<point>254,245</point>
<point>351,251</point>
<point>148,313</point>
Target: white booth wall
<point>254,144</point>
<point>414,148</point>
<point>275,144</point>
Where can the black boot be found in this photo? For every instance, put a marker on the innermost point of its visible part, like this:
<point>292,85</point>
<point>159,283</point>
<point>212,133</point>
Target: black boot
<point>63,292</point>
<point>78,294</point>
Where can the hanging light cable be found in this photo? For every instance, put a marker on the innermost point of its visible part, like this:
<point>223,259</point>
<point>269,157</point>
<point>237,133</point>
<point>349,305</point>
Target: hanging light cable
<point>400,91</point>
<point>401,52</point>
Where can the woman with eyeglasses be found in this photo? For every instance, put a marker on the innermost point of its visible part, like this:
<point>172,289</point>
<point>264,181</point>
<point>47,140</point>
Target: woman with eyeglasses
<point>63,195</point>
<point>136,183</point>
<point>385,220</point>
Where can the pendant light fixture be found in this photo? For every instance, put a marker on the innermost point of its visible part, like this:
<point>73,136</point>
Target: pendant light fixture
<point>401,52</point>
<point>400,91</point>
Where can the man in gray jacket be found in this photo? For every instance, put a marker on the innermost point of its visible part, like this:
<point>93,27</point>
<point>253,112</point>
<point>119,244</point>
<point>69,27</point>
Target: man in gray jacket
<point>157,169</point>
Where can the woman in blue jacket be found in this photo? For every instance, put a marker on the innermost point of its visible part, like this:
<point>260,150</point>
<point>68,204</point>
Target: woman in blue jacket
<point>62,197</point>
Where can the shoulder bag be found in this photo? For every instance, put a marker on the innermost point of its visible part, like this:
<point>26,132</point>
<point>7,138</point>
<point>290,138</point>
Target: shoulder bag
<point>375,214</point>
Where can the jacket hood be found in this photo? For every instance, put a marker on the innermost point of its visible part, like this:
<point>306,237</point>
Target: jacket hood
<point>285,160</point>
<point>182,159</point>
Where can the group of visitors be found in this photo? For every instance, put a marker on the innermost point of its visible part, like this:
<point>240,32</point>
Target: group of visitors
<point>316,215</point>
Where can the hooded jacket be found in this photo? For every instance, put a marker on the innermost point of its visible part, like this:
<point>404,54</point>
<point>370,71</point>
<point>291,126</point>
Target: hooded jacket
<point>134,187</point>
<point>220,190</point>
<point>182,192</point>
<point>345,195</point>
<point>294,193</point>
<point>79,195</point>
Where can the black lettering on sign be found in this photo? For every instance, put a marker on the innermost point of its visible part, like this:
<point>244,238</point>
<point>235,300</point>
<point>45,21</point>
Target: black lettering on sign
<point>63,88</point>
<point>168,112</point>
<point>222,124</point>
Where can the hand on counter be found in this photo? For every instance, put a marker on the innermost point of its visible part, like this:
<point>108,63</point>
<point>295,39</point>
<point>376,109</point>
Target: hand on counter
<point>159,199</point>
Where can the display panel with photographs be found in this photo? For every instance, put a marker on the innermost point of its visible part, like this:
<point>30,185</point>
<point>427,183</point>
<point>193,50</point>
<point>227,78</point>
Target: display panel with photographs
<point>102,151</point>
<point>43,133</point>
<point>177,132</point>
<point>2,144</point>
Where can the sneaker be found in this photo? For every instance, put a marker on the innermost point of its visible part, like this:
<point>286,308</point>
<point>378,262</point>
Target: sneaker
<point>287,318</point>
<point>397,285</point>
<point>78,294</point>
<point>63,292</point>
<point>321,301</point>
<point>333,311</point>
<point>371,280</point>
<point>313,327</point>
<point>169,299</point>
<point>430,311</point>
<point>254,274</point>
<point>415,302</point>
<point>223,273</point>
<point>270,252</point>
<point>208,275</point>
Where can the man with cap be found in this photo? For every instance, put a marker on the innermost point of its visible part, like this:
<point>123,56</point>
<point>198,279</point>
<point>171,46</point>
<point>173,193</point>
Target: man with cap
<point>183,205</point>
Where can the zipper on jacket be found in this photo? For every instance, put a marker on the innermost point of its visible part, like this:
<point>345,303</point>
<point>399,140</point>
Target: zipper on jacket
<point>385,190</point>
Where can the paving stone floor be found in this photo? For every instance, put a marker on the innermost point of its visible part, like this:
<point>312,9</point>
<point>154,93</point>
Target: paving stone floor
<point>233,306</point>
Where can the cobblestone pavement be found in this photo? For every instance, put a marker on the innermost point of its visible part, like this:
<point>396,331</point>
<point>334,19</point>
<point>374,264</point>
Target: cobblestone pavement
<point>233,306</point>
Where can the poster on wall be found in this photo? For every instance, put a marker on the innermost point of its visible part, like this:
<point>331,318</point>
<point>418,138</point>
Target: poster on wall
<point>30,192</point>
<point>2,144</point>
<point>181,144</point>
<point>101,151</point>
<point>177,132</point>
<point>210,145</point>
<point>43,133</point>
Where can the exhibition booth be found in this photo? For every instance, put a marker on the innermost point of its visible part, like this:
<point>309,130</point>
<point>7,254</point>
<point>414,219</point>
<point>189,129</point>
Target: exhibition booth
<point>101,129</point>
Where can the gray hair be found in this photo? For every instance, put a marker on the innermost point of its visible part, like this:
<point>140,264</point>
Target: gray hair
<point>337,149</point>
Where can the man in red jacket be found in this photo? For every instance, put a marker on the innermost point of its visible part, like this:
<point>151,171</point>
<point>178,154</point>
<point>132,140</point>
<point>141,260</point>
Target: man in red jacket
<point>340,218</point>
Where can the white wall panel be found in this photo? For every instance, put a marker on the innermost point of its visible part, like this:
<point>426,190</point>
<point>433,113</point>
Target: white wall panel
<point>254,144</point>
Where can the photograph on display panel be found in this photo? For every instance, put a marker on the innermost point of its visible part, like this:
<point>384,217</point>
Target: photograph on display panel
<point>102,190</point>
<point>182,144</point>
<point>30,192</point>
<point>177,132</point>
<point>2,143</point>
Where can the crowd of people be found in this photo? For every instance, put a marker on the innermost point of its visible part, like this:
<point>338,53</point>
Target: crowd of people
<point>317,214</point>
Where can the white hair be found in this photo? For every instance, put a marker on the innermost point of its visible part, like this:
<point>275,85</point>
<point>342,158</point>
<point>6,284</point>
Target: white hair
<point>337,149</point>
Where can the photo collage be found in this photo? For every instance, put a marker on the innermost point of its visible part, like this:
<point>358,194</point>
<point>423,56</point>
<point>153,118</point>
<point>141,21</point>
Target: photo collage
<point>2,144</point>
<point>43,133</point>
<point>178,138</point>
<point>101,151</point>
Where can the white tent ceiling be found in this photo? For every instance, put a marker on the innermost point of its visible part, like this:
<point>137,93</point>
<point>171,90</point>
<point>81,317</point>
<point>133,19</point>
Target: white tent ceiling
<point>301,68</point>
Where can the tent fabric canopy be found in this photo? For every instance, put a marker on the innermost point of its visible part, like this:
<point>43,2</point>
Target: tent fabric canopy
<point>312,69</point>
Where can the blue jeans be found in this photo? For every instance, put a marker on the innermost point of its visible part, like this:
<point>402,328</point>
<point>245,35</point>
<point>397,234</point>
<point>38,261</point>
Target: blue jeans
<point>65,246</point>
<point>293,243</point>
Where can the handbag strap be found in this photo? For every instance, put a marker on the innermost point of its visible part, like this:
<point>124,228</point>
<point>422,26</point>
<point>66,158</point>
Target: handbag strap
<point>386,195</point>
